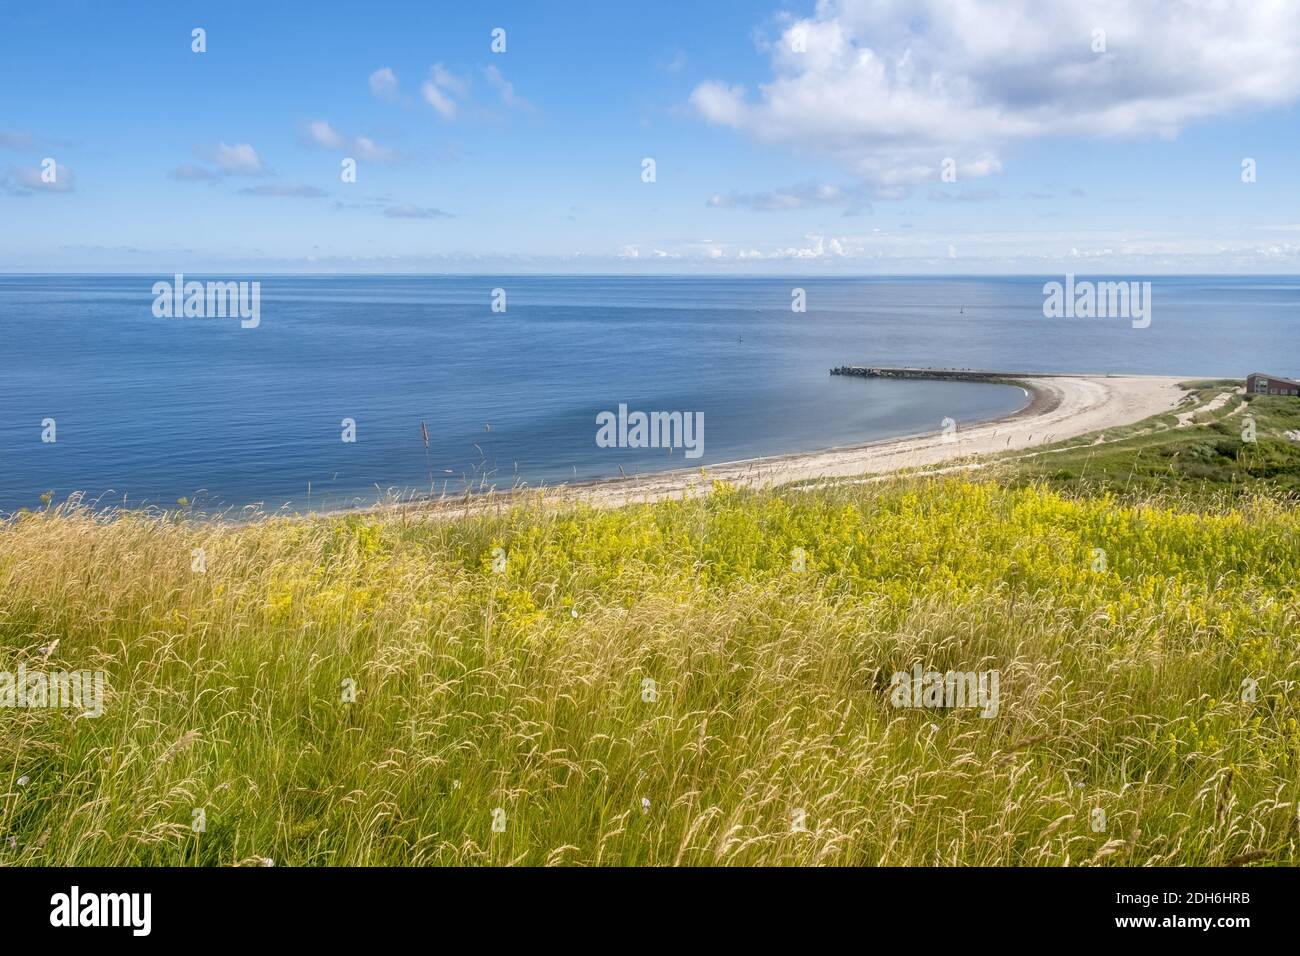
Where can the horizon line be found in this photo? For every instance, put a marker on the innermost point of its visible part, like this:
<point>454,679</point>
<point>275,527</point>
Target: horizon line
<point>682,275</point>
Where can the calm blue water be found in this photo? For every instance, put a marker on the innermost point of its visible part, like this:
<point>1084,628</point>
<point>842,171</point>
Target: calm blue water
<point>154,409</point>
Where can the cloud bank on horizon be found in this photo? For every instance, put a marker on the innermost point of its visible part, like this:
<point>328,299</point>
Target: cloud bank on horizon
<point>853,136</point>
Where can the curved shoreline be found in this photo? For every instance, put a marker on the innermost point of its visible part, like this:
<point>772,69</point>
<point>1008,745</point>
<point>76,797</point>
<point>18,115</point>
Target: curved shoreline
<point>1060,407</point>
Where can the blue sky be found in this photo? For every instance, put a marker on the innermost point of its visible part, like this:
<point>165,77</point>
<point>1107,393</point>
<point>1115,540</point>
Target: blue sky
<point>805,137</point>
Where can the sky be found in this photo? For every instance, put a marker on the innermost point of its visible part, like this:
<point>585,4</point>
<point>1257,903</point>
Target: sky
<point>839,137</point>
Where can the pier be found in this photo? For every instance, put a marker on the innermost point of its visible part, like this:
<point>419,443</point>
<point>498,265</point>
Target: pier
<point>941,374</point>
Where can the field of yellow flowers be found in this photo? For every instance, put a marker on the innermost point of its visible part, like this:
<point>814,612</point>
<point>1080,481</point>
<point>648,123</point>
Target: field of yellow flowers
<point>694,682</point>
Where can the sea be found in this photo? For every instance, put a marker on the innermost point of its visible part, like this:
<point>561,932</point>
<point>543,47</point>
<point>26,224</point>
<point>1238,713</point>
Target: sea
<point>326,402</point>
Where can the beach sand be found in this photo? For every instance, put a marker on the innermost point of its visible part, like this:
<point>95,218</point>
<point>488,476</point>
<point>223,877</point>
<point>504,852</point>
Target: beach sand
<point>1060,407</point>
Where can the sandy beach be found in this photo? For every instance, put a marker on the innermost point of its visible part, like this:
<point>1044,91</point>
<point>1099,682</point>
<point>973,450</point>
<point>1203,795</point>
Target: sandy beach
<point>1059,407</point>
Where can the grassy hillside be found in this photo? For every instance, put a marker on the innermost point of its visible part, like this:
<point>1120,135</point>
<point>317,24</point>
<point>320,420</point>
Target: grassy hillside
<point>1209,454</point>
<point>691,682</point>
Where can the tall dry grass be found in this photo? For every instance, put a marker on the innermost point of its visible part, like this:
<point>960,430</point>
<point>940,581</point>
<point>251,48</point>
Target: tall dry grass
<point>527,691</point>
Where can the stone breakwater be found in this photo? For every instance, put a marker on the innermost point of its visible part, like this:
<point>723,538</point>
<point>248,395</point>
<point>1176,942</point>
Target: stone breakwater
<point>946,374</point>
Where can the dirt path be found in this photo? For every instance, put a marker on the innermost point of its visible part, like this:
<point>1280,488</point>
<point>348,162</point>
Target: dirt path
<point>1213,405</point>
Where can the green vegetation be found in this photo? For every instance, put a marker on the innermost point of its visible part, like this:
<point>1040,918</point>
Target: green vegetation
<point>1208,456</point>
<point>685,682</point>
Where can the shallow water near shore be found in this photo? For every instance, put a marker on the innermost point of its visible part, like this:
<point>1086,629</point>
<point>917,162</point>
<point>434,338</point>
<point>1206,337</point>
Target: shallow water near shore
<point>149,410</point>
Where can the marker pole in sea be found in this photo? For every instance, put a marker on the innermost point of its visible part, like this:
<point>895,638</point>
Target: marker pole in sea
<point>424,433</point>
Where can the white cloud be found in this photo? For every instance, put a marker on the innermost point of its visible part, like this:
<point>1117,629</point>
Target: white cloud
<point>890,88</point>
<point>26,180</point>
<point>506,89</point>
<point>818,247</point>
<point>320,133</point>
<point>675,63</point>
<point>913,251</point>
<point>447,79</point>
<point>440,101</point>
<point>383,83</point>
<point>409,211</point>
<point>367,148</point>
<point>238,160</point>
<point>721,104</point>
<point>287,190</point>
<point>801,196</point>
<point>440,89</point>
